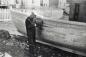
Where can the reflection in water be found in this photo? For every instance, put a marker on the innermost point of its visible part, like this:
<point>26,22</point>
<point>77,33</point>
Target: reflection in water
<point>5,54</point>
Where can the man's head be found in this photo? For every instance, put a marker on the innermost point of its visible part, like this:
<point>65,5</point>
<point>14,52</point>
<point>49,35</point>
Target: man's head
<point>33,15</point>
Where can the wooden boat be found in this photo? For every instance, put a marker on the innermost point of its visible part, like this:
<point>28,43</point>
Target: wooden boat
<point>66,35</point>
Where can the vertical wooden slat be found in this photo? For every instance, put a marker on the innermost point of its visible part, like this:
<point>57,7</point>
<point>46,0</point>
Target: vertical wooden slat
<point>5,14</point>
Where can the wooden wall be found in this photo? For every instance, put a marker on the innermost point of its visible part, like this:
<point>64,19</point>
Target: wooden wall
<point>53,3</point>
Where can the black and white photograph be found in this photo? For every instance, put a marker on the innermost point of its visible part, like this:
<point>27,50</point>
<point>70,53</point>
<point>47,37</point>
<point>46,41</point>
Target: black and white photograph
<point>42,28</point>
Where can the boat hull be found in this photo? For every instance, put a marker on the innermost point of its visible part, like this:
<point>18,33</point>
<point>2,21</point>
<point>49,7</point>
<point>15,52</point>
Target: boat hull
<point>67,35</point>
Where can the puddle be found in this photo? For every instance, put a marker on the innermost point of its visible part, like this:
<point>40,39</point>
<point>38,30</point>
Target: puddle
<point>5,54</point>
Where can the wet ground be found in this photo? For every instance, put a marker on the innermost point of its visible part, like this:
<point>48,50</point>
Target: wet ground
<point>16,45</point>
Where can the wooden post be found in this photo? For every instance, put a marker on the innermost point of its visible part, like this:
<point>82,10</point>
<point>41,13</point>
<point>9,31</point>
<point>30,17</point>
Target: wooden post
<point>78,10</point>
<point>74,12</point>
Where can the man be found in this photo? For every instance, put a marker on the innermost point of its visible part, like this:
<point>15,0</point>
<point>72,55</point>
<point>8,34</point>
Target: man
<point>30,27</point>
